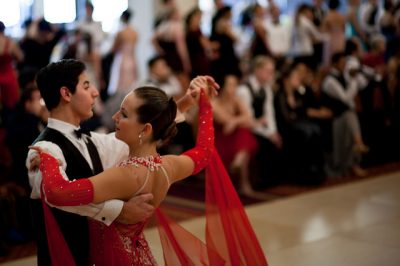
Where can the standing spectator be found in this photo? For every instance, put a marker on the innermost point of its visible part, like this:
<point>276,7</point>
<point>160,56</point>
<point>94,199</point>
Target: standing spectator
<point>93,28</point>
<point>333,25</point>
<point>369,14</point>
<point>278,36</point>
<point>9,88</point>
<point>259,44</point>
<point>222,33</point>
<point>387,22</point>
<point>169,41</point>
<point>199,46</point>
<point>319,12</point>
<point>123,70</point>
<point>353,21</point>
<point>38,47</point>
<point>304,34</point>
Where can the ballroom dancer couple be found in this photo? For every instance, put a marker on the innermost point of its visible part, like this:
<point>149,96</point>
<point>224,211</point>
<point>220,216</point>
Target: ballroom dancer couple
<point>86,170</point>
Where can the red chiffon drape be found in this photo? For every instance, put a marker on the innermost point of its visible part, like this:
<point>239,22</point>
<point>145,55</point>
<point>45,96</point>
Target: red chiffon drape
<point>230,239</point>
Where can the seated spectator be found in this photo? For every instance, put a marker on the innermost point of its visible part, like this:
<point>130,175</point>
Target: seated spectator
<point>161,76</point>
<point>257,94</point>
<point>316,103</point>
<point>233,138</point>
<point>347,140</point>
<point>301,136</point>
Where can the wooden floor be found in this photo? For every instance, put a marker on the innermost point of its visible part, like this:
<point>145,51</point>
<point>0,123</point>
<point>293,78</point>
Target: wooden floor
<point>350,224</point>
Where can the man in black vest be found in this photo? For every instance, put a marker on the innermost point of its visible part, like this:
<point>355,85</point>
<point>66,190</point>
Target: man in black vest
<point>347,144</point>
<point>70,97</point>
<point>257,94</point>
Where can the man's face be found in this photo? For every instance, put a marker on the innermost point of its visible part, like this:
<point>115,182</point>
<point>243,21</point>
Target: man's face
<point>341,64</point>
<point>265,73</point>
<point>34,105</point>
<point>82,101</point>
<point>161,70</point>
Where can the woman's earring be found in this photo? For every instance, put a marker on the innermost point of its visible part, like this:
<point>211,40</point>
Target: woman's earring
<point>140,138</point>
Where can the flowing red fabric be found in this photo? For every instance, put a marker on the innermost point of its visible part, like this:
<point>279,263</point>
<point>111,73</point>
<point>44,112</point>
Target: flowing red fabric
<point>230,239</point>
<point>180,247</point>
<point>58,248</point>
<point>228,229</point>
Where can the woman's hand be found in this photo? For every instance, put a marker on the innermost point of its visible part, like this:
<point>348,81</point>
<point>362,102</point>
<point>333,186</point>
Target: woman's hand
<point>192,94</point>
<point>206,83</point>
<point>36,160</point>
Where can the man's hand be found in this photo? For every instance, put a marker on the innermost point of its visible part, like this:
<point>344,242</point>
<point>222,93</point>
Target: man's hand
<point>136,209</point>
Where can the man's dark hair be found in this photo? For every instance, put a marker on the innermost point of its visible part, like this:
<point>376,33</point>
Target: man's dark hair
<point>54,76</point>
<point>2,27</point>
<point>333,4</point>
<point>152,61</point>
<point>351,47</point>
<point>337,56</point>
<point>126,16</point>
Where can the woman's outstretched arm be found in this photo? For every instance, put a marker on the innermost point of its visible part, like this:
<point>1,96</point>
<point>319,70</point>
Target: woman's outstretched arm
<point>113,183</point>
<point>123,182</point>
<point>195,159</point>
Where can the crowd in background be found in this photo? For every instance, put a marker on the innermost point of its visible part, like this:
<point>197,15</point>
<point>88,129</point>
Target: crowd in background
<point>300,101</point>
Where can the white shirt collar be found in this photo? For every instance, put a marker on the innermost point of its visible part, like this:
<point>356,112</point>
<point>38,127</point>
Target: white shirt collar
<point>59,125</point>
<point>256,85</point>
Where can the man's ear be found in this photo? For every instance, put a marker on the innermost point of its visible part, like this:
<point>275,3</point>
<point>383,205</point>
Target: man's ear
<point>65,93</point>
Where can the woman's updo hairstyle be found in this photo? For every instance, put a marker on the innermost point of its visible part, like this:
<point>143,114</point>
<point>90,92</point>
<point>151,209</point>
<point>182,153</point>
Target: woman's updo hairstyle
<point>158,110</point>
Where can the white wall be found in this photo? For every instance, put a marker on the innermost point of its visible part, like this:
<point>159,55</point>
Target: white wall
<point>143,17</point>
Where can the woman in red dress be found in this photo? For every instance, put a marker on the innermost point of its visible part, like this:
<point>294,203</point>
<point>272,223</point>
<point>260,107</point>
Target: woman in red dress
<point>9,88</point>
<point>233,139</point>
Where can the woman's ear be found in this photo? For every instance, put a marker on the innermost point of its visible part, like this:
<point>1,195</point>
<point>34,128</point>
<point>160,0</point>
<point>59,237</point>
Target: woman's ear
<point>65,93</point>
<point>148,129</point>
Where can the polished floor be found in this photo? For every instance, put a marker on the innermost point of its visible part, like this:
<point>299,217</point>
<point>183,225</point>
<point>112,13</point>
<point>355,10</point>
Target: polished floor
<point>352,224</point>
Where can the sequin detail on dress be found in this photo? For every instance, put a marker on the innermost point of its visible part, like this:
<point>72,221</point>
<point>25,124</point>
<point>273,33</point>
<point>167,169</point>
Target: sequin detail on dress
<point>150,161</point>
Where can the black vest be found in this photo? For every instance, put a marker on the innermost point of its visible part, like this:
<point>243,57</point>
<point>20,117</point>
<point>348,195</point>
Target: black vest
<point>258,100</point>
<point>73,227</point>
<point>337,106</point>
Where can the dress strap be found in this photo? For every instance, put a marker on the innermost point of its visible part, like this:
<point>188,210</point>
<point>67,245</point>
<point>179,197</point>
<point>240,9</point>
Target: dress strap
<point>166,175</point>
<point>147,179</point>
<point>144,184</point>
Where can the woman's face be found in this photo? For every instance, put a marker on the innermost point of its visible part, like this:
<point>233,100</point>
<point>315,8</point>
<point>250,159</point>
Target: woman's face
<point>230,86</point>
<point>127,127</point>
<point>196,19</point>
<point>34,105</point>
<point>294,79</point>
<point>302,72</point>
